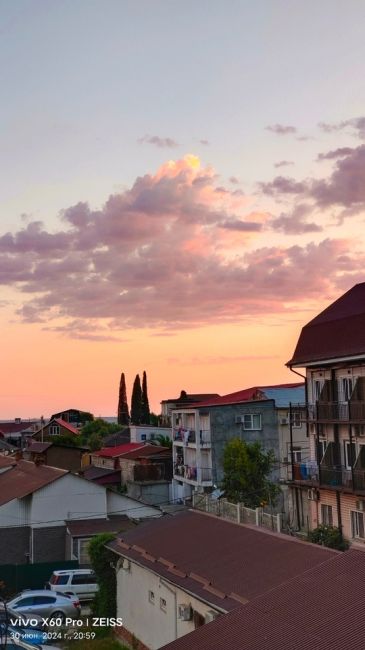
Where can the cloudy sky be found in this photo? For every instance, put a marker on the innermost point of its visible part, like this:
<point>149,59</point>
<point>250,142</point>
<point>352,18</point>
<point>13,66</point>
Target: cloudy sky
<point>182,188</point>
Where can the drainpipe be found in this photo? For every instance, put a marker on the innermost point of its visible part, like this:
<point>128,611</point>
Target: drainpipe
<point>172,591</point>
<point>291,434</point>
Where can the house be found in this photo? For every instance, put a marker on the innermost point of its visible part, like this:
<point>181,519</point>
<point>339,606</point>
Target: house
<point>55,427</point>
<point>185,399</point>
<point>145,433</point>
<point>176,574</point>
<point>17,431</point>
<point>272,415</point>
<point>101,475</point>
<point>109,457</point>
<point>331,348</point>
<point>147,473</point>
<point>73,416</point>
<point>79,532</point>
<point>36,501</point>
<point>49,453</point>
<point>305,613</point>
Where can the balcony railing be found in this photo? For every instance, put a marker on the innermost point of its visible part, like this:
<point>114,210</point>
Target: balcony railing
<point>185,435</point>
<point>192,473</point>
<point>329,476</point>
<point>353,411</point>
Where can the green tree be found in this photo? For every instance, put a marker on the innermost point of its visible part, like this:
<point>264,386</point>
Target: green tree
<point>123,411</point>
<point>95,442</point>
<point>246,470</point>
<point>100,427</point>
<point>66,440</point>
<point>102,561</point>
<point>330,536</point>
<point>145,410</point>
<point>163,441</point>
<point>136,402</point>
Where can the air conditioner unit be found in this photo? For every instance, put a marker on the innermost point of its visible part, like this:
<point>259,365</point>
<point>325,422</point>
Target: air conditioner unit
<point>185,612</point>
<point>360,505</point>
<point>313,495</point>
<point>284,421</point>
<point>211,615</point>
<point>239,419</point>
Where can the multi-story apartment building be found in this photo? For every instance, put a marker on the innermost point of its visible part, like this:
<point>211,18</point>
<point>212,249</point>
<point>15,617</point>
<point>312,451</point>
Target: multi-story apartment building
<point>201,431</point>
<point>332,482</point>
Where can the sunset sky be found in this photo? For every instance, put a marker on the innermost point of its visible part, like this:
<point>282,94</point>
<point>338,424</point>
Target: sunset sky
<point>182,189</point>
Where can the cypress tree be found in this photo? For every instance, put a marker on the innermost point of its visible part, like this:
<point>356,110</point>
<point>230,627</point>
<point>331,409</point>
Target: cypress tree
<point>123,411</point>
<point>145,404</point>
<point>136,402</point>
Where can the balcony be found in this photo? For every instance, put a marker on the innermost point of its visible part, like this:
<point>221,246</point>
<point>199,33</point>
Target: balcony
<point>205,438</point>
<point>323,411</point>
<point>329,476</point>
<point>185,436</point>
<point>192,473</point>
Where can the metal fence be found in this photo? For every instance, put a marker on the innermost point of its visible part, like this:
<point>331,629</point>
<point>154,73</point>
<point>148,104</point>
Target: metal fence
<point>237,512</point>
<point>16,577</point>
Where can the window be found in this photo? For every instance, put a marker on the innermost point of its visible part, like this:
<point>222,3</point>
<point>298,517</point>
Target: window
<point>349,454</point>
<point>24,602</point>
<point>357,524</point>
<point>163,604</point>
<point>296,419</point>
<point>317,389</point>
<point>252,421</point>
<point>297,455</point>
<point>326,515</point>
<point>43,600</point>
<point>345,386</point>
<point>54,430</point>
<point>80,550</point>
<point>143,437</point>
<point>322,444</point>
<point>60,579</point>
<point>151,597</point>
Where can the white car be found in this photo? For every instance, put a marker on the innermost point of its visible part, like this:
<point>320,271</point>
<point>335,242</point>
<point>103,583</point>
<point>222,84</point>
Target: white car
<point>81,582</point>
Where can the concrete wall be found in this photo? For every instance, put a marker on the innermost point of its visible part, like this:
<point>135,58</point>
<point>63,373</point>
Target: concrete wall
<point>150,622</point>
<point>154,493</point>
<point>224,428</point>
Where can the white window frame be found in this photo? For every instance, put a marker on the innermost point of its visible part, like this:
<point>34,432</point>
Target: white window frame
<point>347,444</point>
<point>54,430</point>
<point>357,529</point>
<point>296,453</point>
<point>296,419</point>
<point>346,387</point>
<point>151,597</point>
<point>326,514</point>
<point>252,416</point>
<point>163,604</point>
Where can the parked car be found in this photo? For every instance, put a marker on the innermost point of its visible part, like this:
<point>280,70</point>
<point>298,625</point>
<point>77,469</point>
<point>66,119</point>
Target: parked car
<point>48,605</point>
<point>10,614</point>
<point>19,644</point>
<point>81,582</point>
<point>17,626</point>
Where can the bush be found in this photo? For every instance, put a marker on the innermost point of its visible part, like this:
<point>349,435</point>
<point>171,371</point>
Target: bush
<point>102,561</point>
<point>329,536</point>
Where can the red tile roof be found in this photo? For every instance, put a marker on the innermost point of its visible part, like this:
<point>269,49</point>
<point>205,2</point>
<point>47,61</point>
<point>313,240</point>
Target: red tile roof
<point>6,461</point>
<point>67,426</point>
<point>246,395</point>
<point>338,331</point>
<point>319,610</point>
<point>120,450</point>
<point>202,553</point>
<point>24,478</point>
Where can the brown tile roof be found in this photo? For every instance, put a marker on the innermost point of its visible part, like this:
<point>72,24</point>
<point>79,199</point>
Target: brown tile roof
<point>39,447</point>
<point>319,610</point>
<point>16,427</point>
<point>120,450</point>
<point>84,527</point>
<point>26,477</point>
<point>228,558</point>
<point>338,331</point>
<point>147,451</point>
<point>91,472</point>
<point>6,461</point>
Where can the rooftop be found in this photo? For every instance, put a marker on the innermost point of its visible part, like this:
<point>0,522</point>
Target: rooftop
<point>120,450</point>
<point>222,562</point>
<point>337,332</point>
<point>24,478</point>
<point>84,527</point>
<point>282,394</point>
<point>319,610</point>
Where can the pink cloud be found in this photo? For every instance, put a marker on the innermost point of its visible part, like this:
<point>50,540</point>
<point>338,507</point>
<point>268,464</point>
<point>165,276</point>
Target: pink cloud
<point>159,255</point>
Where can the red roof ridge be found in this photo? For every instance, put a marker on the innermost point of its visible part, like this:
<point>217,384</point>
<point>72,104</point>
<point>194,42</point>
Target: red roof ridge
<point>66,425</point>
